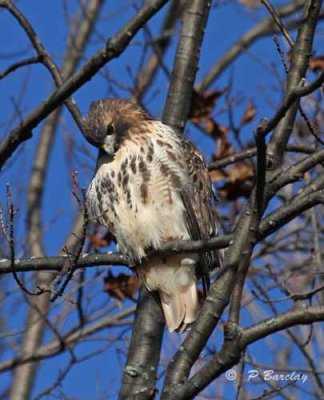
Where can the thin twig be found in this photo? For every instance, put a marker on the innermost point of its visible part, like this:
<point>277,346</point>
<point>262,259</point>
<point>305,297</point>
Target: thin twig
<point>73,260</point>
<point>11,213</point>
<point>19,64</point>
<point>277,20</point>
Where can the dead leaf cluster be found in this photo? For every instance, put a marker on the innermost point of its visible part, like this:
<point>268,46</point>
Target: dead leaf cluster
<point>237,179</point>
<point>121,286</point>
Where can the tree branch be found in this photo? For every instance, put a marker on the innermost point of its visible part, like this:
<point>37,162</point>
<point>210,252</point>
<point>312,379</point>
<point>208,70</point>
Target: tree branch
<point>309,197</point>
<point>251,152</point>
<point>113,48</point>
<point>71,338</point>
<point>57,263</point>
<point>301,53</point>
<point>297,91</point>
<point>139,374</point>
<point>301,316</point>
<point>186,63</point>
<point>286,213</point>
<point>234,346</point>
<point>263,28</point>
<point>296,171</point>
<point>147,73</point>
<point>43,56</point>
<point>19,64</point>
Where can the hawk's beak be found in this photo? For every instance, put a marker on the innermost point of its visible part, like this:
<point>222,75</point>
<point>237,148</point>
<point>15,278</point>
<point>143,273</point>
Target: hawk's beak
<point>108,146</point>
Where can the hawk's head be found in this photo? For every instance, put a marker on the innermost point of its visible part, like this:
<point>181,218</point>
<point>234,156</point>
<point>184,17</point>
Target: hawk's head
<point>109,121</point>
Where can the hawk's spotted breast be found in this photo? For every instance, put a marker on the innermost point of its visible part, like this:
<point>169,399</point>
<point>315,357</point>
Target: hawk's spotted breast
<point>152,186</point>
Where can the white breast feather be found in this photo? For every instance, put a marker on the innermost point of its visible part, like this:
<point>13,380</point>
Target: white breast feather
<point>144,225</point>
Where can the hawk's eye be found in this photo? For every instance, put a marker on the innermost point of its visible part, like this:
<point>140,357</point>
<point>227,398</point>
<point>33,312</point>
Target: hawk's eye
<point>110,129</point>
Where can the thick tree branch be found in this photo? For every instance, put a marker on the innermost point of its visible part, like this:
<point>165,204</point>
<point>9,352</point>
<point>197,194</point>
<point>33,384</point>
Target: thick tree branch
<point>301,53</point>
<point>91,260</point>
<point>139,374</point>
<point>302,315</point>
<point>237,341</point>
<point>186,63</point>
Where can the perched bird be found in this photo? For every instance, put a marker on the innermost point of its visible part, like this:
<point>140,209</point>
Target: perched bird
<point>152,186</point>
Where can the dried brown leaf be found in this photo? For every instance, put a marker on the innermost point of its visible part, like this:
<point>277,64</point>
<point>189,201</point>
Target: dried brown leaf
<point>122,286</point>
<point>98,241</point>
<point>220,133</point>
<point>217,175</point>
<point>239,181</point>
<point>202,104</point>
<point>317,63</point>
<point>253,4</point>
<point>240,172</point>
<point>249,114</point>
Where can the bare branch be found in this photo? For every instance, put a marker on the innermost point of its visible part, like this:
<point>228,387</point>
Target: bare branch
<point>43,56</point>
<point>263,28</point>
<point>277,20</point>
<point>296,171</point>
<point>186,64</point>
<point>304,315</point>
<point>251,152</point>
<point>301,53</point>
<point>91,260</point>
<point>149,70</point>
<point>297,91</point>
<point>286,213</point>
<point>233,347</point>
<point>114,47</point>
<point>139,373</point>
<point>23,63</point>
<point>71,338</point>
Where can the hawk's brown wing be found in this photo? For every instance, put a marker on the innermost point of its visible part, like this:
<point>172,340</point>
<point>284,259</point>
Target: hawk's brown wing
<point>198,197</point>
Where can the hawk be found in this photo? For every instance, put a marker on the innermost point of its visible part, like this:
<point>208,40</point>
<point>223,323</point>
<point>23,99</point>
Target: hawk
<point>152,186</point>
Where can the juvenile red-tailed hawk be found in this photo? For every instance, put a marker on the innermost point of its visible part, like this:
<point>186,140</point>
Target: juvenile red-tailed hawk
<point>152,186</point>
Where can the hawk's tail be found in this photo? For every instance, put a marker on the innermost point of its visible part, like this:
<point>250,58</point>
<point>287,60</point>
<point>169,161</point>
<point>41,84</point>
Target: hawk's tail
<point>174,277</point>
<point>181,308</point>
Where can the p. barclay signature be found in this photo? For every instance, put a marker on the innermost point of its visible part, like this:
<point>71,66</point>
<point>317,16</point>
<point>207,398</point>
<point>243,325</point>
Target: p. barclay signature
<point>271,375</point>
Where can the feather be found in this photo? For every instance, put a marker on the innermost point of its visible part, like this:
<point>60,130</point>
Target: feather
<point>180,310</point>
<point>200,218</point>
